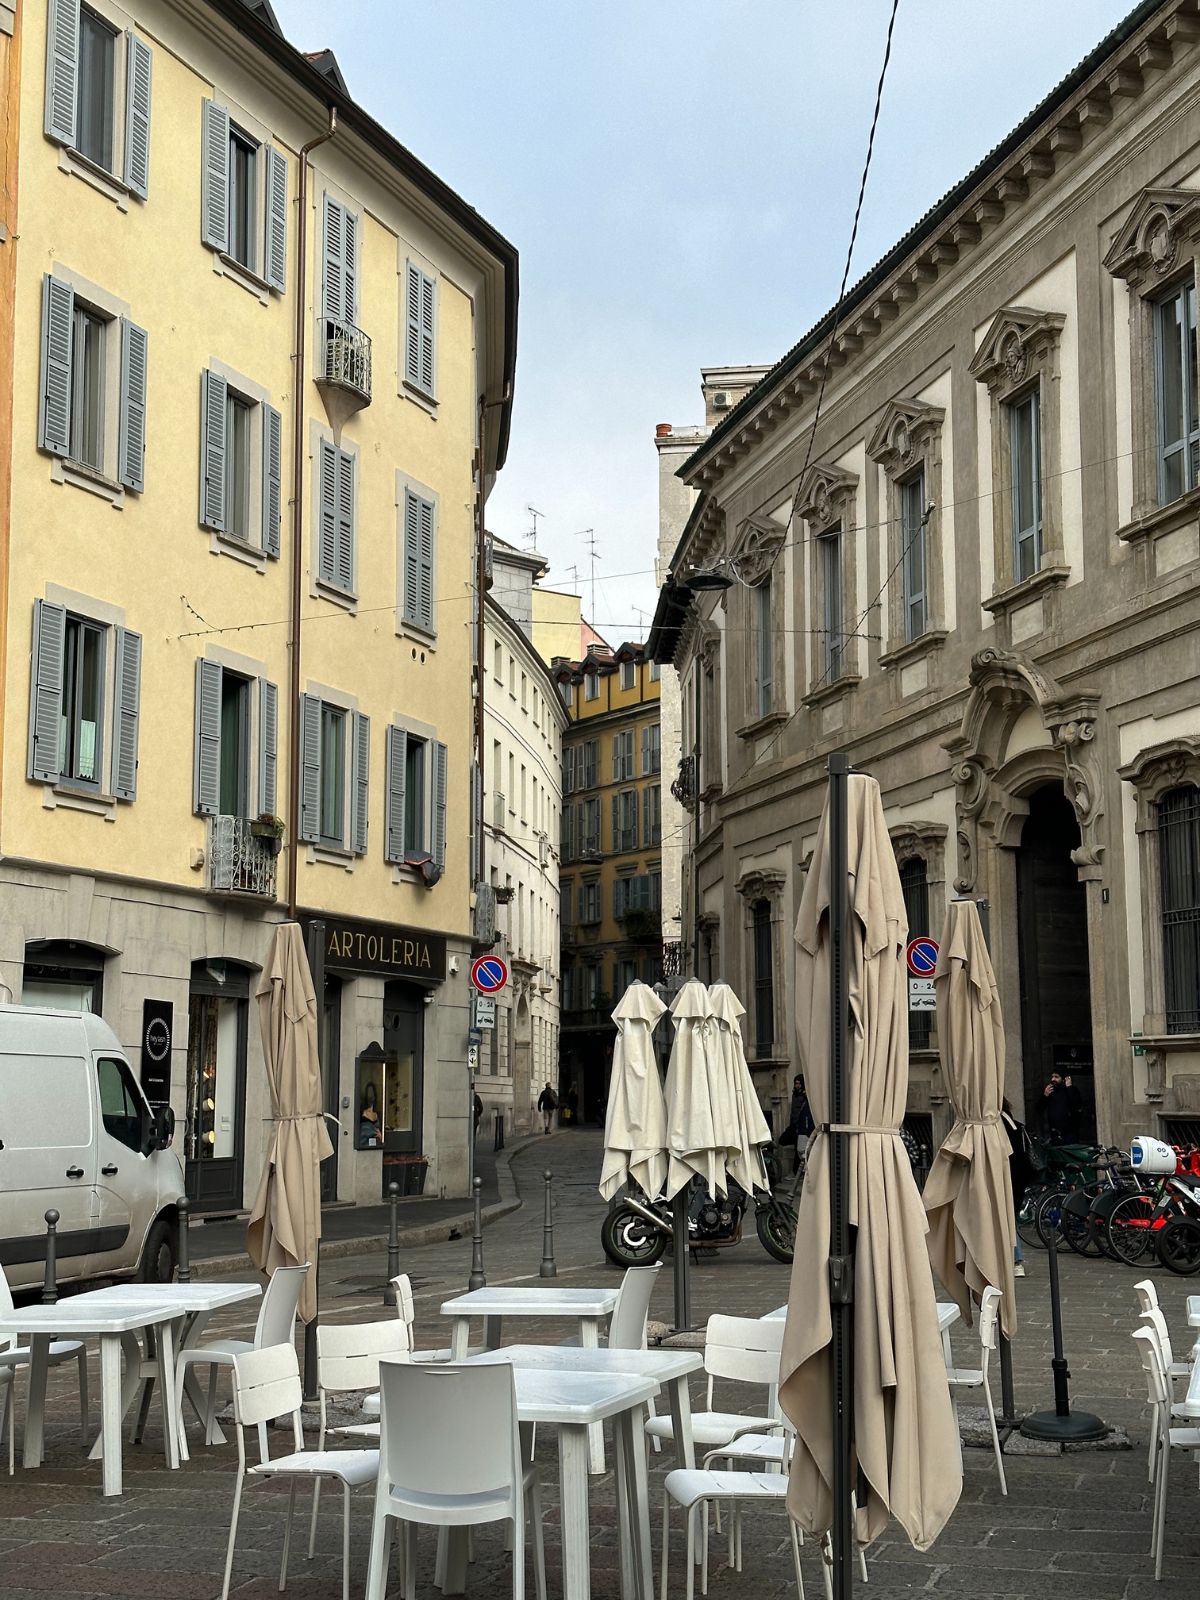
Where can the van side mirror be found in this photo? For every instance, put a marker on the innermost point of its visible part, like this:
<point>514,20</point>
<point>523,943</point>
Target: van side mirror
<point>164,1127</point>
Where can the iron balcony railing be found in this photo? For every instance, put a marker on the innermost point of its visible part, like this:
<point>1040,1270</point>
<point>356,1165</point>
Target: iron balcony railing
<point>348,357</point>
<point>240,861</point>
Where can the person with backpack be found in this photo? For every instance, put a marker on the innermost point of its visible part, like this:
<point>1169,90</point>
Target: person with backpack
<point>547,1105</point>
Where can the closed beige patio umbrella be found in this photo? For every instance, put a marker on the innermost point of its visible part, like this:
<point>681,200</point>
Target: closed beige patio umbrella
<point>285,1220</point>
<point>635,1125</point>
<point>746,1164</point>
<point>968,1194</point>
<point>699,1119</point>
<point>904,1440</point>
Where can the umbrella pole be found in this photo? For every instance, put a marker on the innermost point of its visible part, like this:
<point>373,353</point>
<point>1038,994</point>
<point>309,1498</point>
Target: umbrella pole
<point>682,1282</point>
<point>841,1262</point>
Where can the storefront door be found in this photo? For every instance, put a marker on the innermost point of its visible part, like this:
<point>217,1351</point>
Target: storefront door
<point>403,1092</point>
<point>331,1066</point>
<point>214,1128</point>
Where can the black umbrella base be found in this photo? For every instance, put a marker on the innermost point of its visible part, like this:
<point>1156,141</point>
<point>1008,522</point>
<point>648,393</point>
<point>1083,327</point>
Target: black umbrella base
<point>1077,1427</point>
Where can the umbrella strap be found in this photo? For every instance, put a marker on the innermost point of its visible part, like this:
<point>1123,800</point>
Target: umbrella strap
<point>980,1122</point>
<point>856,1127</point>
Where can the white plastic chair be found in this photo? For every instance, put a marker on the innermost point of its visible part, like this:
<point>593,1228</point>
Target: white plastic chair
<point>348,1357</point>
<point>977,1377</point>
<point>266,1384</point>
<point>746,1350</point>
<point>276,1325</point>
<point>8,1414</point>
<point>1177,1371</point>
<point>451,1458</point>
<point>1166,1438</point>
<point>13,1355</point>
<point>406,1311</point>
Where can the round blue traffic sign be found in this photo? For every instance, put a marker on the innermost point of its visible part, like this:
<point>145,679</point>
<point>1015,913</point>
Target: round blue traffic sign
<point>922,957</point>
<point>489,974</point>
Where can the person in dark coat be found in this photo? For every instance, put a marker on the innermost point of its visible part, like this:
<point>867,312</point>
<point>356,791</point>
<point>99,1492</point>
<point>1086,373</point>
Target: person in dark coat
<point>1020,1170</point>
<point>547,1105</point>
<point>1062,1107</point>
<point>800,1120</point>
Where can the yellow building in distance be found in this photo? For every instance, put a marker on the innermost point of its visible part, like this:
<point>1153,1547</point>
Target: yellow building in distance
<point>610,876</point>
<point>260,361</point>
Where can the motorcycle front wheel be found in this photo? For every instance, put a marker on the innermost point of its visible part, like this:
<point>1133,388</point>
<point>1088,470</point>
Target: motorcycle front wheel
<point>776,1226</point>
<point>1179,1246</point>
<point>629,1240</point>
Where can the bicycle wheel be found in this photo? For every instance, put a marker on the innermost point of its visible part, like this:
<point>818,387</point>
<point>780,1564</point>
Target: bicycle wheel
<point>1179,1246</point>
<point>1130,1228</point>
<point>1075,1226</point>
<point>1049,1215</point>
<point>1027,1218</point>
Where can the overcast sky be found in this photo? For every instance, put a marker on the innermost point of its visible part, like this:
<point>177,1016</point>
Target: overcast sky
<point>679,178</point>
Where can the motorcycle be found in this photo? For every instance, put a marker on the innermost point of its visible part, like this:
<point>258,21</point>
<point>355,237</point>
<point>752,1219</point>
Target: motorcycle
<point>637,1230</point>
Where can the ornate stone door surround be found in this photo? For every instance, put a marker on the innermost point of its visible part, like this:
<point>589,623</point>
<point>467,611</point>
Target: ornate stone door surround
<point>990,809</point>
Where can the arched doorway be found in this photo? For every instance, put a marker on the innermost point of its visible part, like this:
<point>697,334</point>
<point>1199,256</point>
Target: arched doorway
<point>1056,1013</point>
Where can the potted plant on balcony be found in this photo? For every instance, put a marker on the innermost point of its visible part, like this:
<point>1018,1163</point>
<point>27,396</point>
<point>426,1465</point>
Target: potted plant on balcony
<point>269,829</point>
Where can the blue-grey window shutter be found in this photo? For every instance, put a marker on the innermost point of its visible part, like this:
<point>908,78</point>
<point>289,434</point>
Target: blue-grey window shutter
<point>360,783</point>
<point>425,565</point>
<point>310,768</point>
<point>62,69</point>
<point>412,543</point>
<point>440,762</point>
<point>127,695</point>
<point>137,114</point>
<point>214,395</point>
<point>427,337</point>
<point>58,335</point>
<point>397,757</point>
<point>412,335</point>
<point>45,690</point>
<point>206,767</point>
<point>131,439</point>
<point>214,182</point>
<point>345,521</point>
<point>327,519</point>
<point>275,252</point>
<point>333,281</point>
<point>268,747</point>
<point>272,479</point>
<point>350,280</point>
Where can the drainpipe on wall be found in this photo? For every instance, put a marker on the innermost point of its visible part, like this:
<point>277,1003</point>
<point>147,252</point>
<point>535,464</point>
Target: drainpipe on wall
<point>10,128</point>
<point>299,380</point>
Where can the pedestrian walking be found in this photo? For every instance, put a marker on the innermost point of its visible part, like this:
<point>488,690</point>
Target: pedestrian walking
<point>1020,1169</point>
<point>1062,1107</point>
<point>800,1121</point>
<point>478,1108</point>
<point>547,1105</point>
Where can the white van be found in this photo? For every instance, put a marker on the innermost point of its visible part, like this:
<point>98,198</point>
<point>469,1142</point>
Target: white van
<point>77,1134</point>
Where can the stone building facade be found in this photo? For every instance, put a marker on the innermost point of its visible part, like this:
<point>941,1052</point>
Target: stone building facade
<point>985,588</point>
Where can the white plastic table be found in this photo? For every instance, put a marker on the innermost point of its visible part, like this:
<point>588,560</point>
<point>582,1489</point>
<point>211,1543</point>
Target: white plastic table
<point>1193,1310</point>
<point>586,1307</point>
<point>75,1319</point>
<point>192,1304</point>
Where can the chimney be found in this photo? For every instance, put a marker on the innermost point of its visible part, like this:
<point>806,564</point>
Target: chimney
<point>663,430</point>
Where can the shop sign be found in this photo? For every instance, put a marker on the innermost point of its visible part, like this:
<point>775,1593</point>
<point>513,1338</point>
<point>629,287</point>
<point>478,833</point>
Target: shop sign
<point>157,1016</point>
<point>385,949</point>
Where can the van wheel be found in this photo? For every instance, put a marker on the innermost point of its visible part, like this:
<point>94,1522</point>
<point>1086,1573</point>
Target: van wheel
<point>161,1253</point>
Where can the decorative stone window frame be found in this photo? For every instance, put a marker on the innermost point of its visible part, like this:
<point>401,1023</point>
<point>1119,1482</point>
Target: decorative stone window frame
<point>825,501</point>
<point>708,660</point>
<point>754,560</point>
<point>1153,773</point>
<point>907,440</point>
<point>709,940</point>
<point>1019,353</point>
<point>1156,250</point>
<point>755,884</point>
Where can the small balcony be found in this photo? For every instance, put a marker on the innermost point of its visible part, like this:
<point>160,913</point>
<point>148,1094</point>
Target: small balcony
<point>347,361</point>
<point>241,860</point>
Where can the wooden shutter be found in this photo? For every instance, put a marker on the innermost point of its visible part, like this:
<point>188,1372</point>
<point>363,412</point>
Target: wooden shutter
<point>616,822</point>
<point>137,114</point>
<point>58,337</point>
<point>310,768</point>
<point>214,396</point>
<point>214,177</point>
<point>127,693</point>
<point>427,340</point>
<point>268,748</point>
<point>425,565</point>
<point>275,246</point>
<point>131,437</point>
<point>62,69</point>
<point>45,689</point>
<point>645,750</point>
<point>206,766</point>
<point>440,766</point>
<point>337,283</point>
<point>345,521</point>
<point>272,494</point>
<point>360,783</point>
<point>419,364</point>
<point>350,282</point>
<point>397,756</point>
<point>569,769</point>
<point>327,532</point>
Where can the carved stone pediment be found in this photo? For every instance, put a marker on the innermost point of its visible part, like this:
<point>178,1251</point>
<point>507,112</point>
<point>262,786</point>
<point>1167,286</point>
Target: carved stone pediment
<point>1157,770</point>
<point>901,433</point>
<point>756,550</point>
<point>761,883</point>
<point>708,641</point>
<point>1151,244</point>
<point>1013,344</point>
<point>911,840</point>
<point>823,495</point>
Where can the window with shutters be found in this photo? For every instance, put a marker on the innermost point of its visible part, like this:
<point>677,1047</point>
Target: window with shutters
<point>92,392</point>
<point>1177,405</point>
<point>651,749</point>
<point>236,744</point>
<point>589,902</point>
<point>591,686</point>
<point>332,821</point>
<point>336,553</point>
<point>244,201</point>
<point>629,674</point>
<point>655,672</point>
<point>625,820</point>
<point>652,806</point>
<point>417,563</point>
<point>589,828</point>
<point>420,331</point>
<point>622,756</point>
<point>85,693</point>
<point>241,463</point>
<point>417,798</point>
<point>98,82</point>
<point>1025,467</point>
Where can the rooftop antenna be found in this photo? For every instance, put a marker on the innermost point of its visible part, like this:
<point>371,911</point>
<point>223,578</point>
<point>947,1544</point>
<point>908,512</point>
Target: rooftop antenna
<point>590,535</point>
<point>531,535</point>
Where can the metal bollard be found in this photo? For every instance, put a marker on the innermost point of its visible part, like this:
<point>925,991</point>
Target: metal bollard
<point>547,1268</point>
<point>393,1259</point>
<point>477,1280</point>
<point>183,1267</point>
<point>50,1281</point>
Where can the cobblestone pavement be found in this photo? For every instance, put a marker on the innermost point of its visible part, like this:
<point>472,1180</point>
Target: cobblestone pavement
<point>1072,1528</point>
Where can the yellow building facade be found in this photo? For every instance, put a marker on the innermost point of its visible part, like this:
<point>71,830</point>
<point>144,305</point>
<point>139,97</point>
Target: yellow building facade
<point>610,874</point>
<point>261,363</point>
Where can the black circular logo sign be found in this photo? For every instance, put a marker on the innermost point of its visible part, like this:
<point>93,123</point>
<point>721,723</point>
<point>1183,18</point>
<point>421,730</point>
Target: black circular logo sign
<point>158,1039</point>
